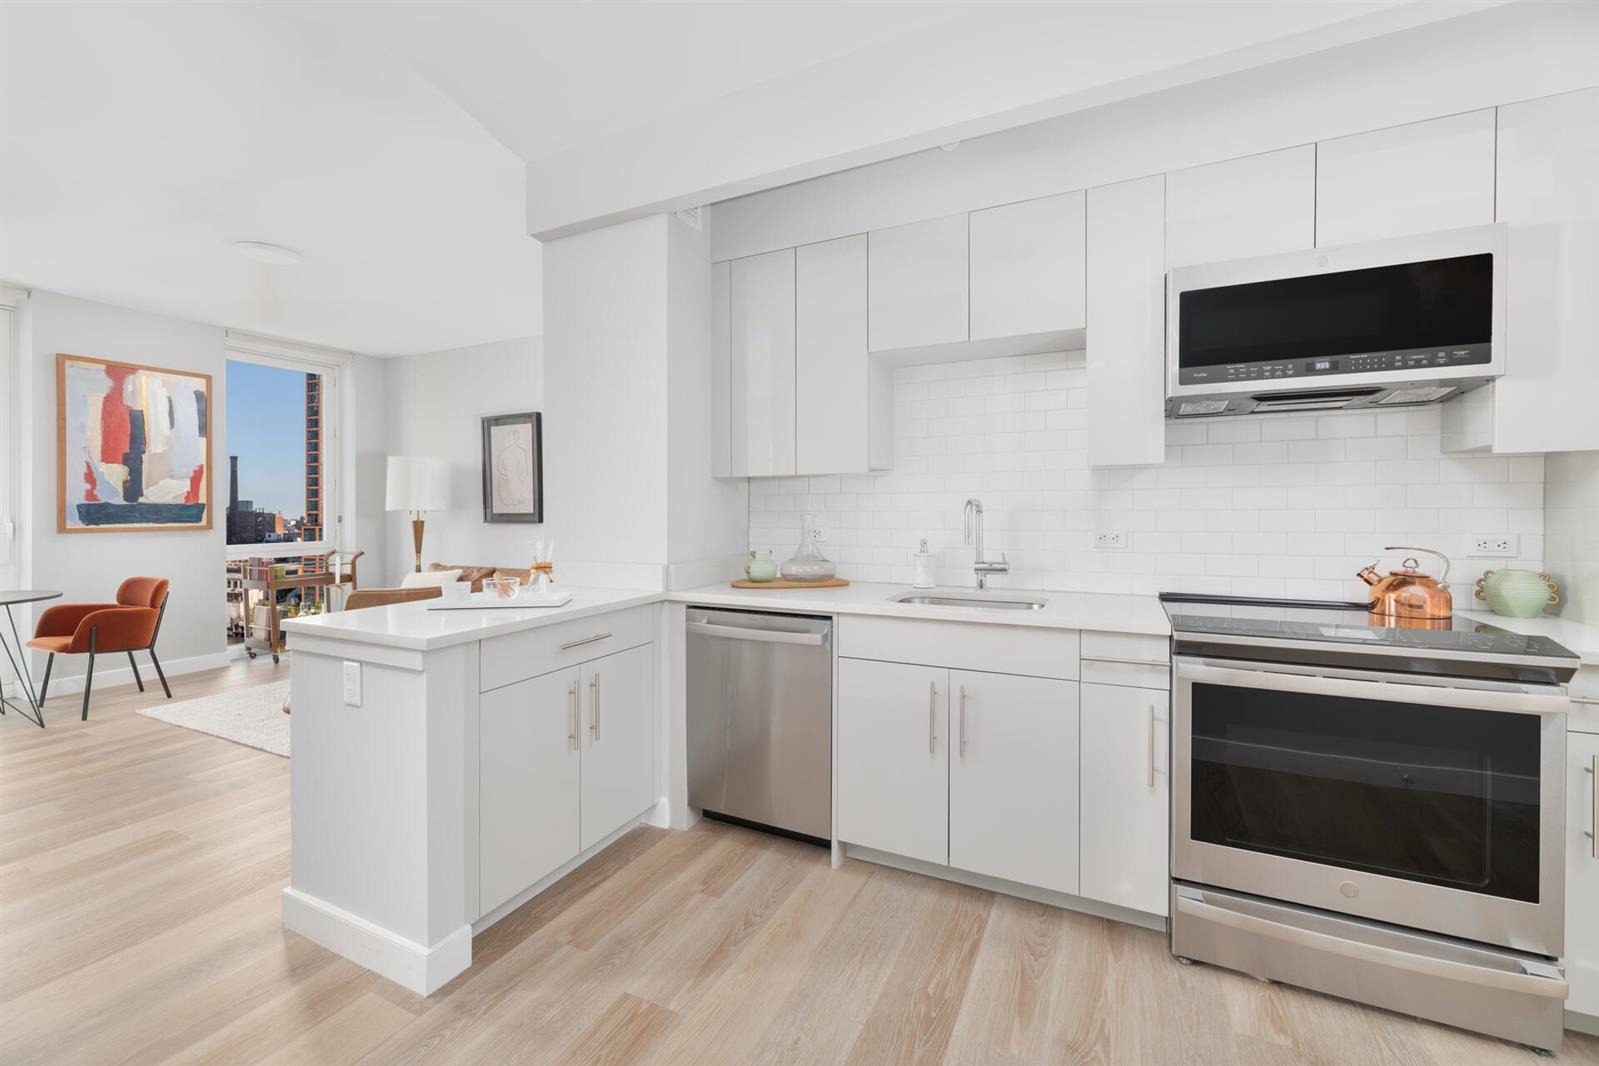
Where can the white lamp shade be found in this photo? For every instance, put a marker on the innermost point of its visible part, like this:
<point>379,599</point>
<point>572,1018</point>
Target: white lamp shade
<point>416,483</point>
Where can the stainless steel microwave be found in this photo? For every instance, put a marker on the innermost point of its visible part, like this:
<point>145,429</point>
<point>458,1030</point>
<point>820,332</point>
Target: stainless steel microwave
<point>1383,324</point>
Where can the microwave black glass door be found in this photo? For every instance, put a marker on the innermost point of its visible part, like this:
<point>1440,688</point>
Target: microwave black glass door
<point>1438,303</point>
<point>1439,795</point>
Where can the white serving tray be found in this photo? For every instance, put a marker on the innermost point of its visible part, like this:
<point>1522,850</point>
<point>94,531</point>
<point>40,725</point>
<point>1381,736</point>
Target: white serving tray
<point>479,601</point>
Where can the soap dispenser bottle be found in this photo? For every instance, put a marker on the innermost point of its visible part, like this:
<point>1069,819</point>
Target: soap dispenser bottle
<point>925,567</point>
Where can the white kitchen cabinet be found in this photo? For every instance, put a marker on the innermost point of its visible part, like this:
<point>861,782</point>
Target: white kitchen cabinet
<point>1548,174</point>
<point>1418,178</point>
<point>1258,205</point>
<point>1125,769</point>
<point>1582,873</point>
<point>1027,264</point>
<point>892,752</point>
<point>617,739</point>
<point>1012,780</point>
<point>528,783</point>
<point>721,369</point>
<point>1126,323</point>
<point>918,292</point>
<point>844,399</point>
<point>761,435</point>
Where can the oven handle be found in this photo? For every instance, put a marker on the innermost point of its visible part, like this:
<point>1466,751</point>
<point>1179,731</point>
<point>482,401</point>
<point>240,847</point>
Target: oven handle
<point>1524,983</point>
<point>1387,691</point>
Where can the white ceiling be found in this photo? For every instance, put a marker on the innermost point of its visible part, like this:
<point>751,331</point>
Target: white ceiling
<point>386,140</point>
<point>139,139</point>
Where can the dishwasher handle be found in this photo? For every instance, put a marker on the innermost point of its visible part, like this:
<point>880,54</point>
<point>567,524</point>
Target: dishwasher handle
<point>761,636</point>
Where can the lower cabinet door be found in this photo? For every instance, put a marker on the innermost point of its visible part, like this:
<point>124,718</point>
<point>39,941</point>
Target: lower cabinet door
<point>1582,872</point>
<point>893,758</point>
<point>618,694</point>
<point>527,782</point>
<point>1125,763</point>
<point>1013,778</point>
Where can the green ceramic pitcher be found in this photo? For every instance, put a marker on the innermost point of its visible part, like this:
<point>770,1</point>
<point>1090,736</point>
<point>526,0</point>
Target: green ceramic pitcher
<point>761,567</point>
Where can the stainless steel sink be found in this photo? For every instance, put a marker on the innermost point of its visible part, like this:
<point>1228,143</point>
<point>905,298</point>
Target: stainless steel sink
<point>985,601</point>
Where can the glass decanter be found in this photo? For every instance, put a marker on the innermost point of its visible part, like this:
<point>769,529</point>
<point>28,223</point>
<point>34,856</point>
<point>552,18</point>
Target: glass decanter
<point>808,563</point>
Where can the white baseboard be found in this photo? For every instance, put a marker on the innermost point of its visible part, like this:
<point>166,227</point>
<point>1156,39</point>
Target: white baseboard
<point>1063,900</point>
<point>1582,1023</point>
<point>106,675</point>
<point>419,969</point>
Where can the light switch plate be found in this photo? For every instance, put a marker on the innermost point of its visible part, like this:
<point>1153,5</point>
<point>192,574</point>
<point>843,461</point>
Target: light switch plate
<point>352,684</point>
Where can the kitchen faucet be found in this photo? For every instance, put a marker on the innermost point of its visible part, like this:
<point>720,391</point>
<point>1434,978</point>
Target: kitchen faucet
<point>974,536</point>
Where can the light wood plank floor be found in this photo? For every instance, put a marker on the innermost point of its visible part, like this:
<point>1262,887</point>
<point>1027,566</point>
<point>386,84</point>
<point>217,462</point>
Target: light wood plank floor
<point>140,866</point>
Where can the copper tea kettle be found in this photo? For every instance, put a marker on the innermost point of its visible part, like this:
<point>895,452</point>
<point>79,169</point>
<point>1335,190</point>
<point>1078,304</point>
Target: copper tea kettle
<point>1407,593</point>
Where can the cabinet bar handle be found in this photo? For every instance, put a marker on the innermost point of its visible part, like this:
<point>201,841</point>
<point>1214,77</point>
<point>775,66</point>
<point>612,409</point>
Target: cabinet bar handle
<point>572,707</point>
<point>1162,663</point>
<point>594,706</point>
<point>963,721</point>
<point>1151,745</point>
<point>569,645</point>
<point>1590,701</point>
<point>932,698</point>
<point>1593,784</point>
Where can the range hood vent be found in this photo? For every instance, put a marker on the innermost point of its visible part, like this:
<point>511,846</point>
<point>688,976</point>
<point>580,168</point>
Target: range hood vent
<point>1318,400</point>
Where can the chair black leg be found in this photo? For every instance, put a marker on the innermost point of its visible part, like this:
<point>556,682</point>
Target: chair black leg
<point>165,687</point>
<point>88,678</point>
<point>44,689</point>
<point>136,678</point>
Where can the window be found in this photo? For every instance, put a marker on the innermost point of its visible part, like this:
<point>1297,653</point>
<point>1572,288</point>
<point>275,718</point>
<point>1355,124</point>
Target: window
<point>276,455</point>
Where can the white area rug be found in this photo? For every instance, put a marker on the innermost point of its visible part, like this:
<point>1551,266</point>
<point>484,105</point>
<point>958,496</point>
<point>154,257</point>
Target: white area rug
<point>252,716</point>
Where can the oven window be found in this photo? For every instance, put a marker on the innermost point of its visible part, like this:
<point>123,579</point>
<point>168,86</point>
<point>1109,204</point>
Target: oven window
<point>1438,794</point>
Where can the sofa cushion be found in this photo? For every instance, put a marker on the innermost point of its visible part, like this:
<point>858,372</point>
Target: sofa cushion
<point>434,578</point>
<point>474,574</point>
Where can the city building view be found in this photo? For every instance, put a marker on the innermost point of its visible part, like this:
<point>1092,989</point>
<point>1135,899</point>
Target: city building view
<point>274,489</point>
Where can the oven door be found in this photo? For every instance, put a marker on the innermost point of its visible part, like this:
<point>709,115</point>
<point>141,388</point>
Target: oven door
<point>1425,802</point>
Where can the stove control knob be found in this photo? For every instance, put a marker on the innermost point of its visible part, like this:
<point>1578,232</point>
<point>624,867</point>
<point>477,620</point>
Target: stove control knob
<point>1349,889</point>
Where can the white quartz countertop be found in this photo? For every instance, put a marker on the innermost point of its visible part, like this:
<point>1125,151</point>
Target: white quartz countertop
<point>412,626</point>
<point>1578,637</point>
<point>1065,610</point>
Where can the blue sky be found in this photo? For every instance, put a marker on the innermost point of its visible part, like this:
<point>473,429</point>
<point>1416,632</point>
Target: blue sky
<point>266,430</point>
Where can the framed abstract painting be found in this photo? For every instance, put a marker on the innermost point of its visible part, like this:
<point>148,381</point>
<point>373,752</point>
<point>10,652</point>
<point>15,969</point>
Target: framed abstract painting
<point>133,447</point>
<point>513,468</point>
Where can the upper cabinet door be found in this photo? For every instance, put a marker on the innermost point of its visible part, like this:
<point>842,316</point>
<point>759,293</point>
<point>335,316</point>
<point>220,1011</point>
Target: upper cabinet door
<point>918,284</point>
<point>1548,177</point>
<point>1027,267</point>
<point>1126,323</point>
<point>832,376</point>
<point>762,365</point>
<point>1418,178</point>
<point>1258,205</point>
<point>721,369</point>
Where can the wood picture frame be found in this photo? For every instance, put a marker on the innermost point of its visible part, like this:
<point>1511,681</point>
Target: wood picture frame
<point>159,448</point>
<point>513,468</point>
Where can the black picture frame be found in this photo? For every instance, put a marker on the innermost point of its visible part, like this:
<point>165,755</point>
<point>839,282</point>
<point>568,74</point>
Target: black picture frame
<point>535,467</point>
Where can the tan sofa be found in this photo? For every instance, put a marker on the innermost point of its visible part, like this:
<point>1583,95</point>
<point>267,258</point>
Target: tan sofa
<point>476,574</point>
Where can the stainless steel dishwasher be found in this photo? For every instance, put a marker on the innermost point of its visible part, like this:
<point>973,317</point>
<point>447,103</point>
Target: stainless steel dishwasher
<point>760,719</point>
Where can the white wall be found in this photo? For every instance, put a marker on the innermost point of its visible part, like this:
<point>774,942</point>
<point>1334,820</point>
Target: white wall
<point>1515,52</point>
<point>1571,517</point>
<point>88,567</point>
<point>1285,506</point>
<point>707,518</point>
<point>363,454</point>
<point>434,405</point>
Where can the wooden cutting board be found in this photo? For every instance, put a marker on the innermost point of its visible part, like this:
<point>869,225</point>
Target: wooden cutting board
<point>779,583</point>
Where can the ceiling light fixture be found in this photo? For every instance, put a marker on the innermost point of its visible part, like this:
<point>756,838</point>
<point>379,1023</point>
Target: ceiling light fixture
<point>261,252</point>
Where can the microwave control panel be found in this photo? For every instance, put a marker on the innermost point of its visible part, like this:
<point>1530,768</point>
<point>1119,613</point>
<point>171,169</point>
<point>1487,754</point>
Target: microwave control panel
<point>1363,363</point>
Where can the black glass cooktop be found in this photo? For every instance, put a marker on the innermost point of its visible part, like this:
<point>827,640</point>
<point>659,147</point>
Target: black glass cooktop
<point>1346,628</point>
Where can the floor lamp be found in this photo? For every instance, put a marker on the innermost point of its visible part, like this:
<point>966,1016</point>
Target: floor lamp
<point>416,484</point>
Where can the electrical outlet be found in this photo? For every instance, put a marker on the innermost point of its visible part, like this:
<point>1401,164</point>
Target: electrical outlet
<point>352,684</point>
<point>1499,544</point>
<point>1110,538</point>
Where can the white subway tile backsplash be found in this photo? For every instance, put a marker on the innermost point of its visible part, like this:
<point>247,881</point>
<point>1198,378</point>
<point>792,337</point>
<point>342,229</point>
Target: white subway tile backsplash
<point>1271,506</point>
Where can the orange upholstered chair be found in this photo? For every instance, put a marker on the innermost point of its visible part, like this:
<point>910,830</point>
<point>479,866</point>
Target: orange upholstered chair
<point>129,625</point>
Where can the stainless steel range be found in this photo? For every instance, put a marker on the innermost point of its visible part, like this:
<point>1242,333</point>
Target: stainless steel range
<point>1372,812</point>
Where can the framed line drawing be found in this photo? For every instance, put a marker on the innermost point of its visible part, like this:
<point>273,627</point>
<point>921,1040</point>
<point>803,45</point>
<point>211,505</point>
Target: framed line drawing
<point>133,447</point>
<point>513,468</point>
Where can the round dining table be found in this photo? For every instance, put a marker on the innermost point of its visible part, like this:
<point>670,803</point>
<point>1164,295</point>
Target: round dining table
<point>17,652</point>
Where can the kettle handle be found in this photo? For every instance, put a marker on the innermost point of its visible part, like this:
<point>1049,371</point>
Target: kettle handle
<point>1443,579</point>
